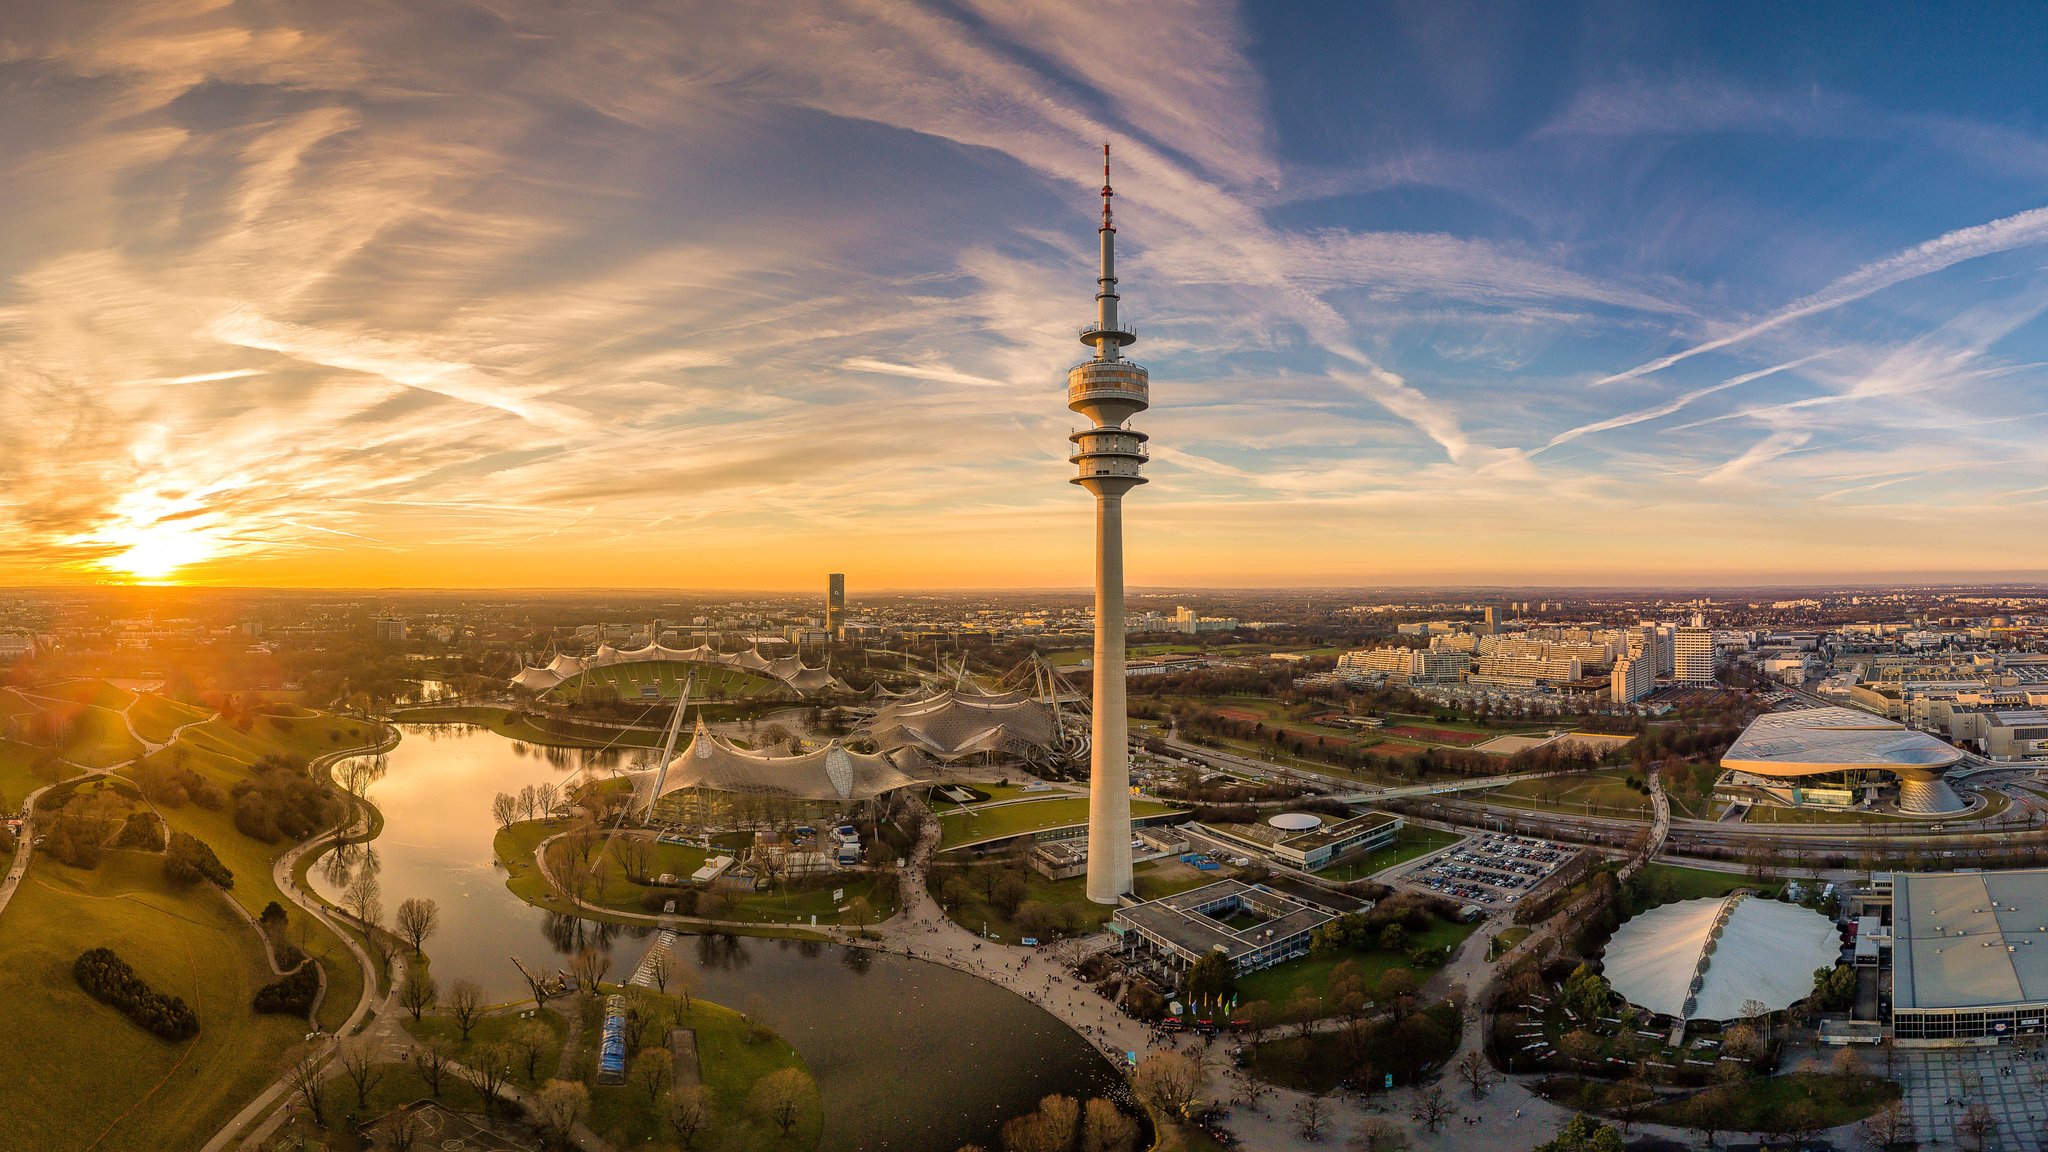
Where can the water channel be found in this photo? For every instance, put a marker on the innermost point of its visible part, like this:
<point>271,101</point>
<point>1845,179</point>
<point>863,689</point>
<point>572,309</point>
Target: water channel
<point>910,1055</point>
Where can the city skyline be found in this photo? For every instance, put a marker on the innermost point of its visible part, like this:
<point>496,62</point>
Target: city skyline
<point>1680,299</point>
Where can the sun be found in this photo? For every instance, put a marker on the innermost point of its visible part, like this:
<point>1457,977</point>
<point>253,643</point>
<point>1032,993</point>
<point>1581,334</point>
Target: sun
<point>157,550</point>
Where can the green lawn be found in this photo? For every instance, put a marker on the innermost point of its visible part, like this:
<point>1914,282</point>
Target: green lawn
<point>1279,985</point>
<point>1409,843</point>
<point>567,734</point>
<point>1772,814</point>
<point>714,682</point>
<point>729,1065</point>
<point>89,690</point>
<point>995,823</point>
<point>16,781</point>
<point>79,1074</point>
<point>1153,880</point>
<point>155,718</point>
<point>1606,791</point>
<point>1693,883</point>
<point>1758,1104</point>
<point>494,1029</point>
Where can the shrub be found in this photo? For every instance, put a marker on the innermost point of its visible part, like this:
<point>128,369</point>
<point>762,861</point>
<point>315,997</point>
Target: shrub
<point>108,979</point>
<point>188,858</point>
<point>282,802</point>
<point>143,830</point>
<point>291,996</point>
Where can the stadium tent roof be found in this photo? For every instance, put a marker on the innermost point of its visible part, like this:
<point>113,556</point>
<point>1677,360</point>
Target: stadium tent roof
<point>1816,741</point>
<point>1704,959</point>
<point>790,670</point>
<point>954,724</point>
<point>828,773</point>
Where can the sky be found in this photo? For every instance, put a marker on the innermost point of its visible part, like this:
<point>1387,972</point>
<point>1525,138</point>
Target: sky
<point>523,293</point>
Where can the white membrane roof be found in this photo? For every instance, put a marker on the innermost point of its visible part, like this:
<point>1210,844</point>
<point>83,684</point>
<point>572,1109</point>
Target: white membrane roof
<point>1766,951</point>
<point>1811,741</point>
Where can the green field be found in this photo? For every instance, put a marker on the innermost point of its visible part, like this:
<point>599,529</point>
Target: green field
<point>1603,793</point>
<point>1279,985</point>
<point>155,718</point>
<point>80,1075</point>
<point>524,728</point>
<point>997,822</point>
<point>16,780</point>
<point>1152,880</point>
<point>1408,843</point>
<point>1693,883</point>
<point>714,681</point>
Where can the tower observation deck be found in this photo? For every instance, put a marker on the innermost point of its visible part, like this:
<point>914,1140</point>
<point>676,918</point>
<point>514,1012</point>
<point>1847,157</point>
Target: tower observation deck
<point>1109,458</point>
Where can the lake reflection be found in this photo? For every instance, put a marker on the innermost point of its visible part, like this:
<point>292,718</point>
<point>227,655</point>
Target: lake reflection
<point>909,1055</point>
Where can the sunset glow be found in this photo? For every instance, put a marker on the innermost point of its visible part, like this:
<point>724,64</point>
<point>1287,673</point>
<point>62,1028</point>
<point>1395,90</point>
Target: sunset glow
<point>630,297</point>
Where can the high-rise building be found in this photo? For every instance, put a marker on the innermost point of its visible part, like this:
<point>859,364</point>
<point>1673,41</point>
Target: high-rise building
<point>390,628</point>
<point>835,602</point>
<point>1693,656</point>
<point>1108,390</point>
<point>1493,619</point>
<point>1634,677</point>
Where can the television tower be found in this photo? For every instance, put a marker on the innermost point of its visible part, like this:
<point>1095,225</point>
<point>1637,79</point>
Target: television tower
<point>1108,390</point>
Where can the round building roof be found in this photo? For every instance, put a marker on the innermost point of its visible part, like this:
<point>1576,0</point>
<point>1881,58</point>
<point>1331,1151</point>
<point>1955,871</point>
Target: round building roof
<point>1705,959</point>
<point>1296,821</point>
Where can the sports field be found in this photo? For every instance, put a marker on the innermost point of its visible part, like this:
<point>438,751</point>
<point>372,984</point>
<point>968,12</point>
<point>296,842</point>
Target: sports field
<point>714,681</point>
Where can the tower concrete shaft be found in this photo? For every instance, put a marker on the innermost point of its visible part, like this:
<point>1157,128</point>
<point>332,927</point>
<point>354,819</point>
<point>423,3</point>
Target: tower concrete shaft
<point>1108,390</point>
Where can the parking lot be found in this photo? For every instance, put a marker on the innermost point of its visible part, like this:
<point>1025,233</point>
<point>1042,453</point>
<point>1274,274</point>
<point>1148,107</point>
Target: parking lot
<point>1491,867</point>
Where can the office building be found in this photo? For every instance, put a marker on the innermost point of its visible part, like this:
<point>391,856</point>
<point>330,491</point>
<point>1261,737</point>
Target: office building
<point>835,602</point>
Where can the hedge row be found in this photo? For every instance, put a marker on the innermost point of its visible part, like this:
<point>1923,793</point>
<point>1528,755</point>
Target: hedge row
<point>108,979</point>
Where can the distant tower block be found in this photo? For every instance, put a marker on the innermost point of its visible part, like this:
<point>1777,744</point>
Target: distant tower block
<point>1108,390</point>
<point>835,602</point>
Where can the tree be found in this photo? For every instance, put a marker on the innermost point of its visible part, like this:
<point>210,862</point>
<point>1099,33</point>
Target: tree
<point>559,1106</point>
<point>657,964</point>
<point>362,894</point>
<point>402,1129</point>
<point>1803,1119</point>
<point>1432,1108</point>
<point>590,966</point>
<point>529,1042</point>
<point>1211,979</point>
<point>655,1069</point>
<point>359,1063</point>
<point>466,1004</point>
<point>537,981</point>
<point>779,1097</point>
<point>418,995</point>
<point>1377,1135</point>
<point>431,1060</point>
<point>1741,1042</point>
<point>418,917</point>
<point>1586,994</point>
<point>1105,1128</point>
<point>487,1072</point>
<point>1582,1133</point>
<point>1846,1062</point>
<point>861,913</point>
<point>756,1017</point>
<point>1977,1128</point>
<point>688,1112</point>
<point>1889,1127</point>
<point>309,1080</point>
<point>1309,1114</point>
<point>1475,1072</point>
<point>505,809</point>
<point>1169,1081</point>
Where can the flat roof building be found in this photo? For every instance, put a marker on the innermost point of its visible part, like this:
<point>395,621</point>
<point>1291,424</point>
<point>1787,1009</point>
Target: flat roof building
<point>1252,925</point>
<point>1969,954</point>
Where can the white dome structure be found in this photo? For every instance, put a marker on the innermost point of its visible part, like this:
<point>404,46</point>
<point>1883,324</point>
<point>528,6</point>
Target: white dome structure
<point>1705,959</point>
<point>1296,821</point>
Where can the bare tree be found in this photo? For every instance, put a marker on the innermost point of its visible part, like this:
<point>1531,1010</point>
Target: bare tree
<point>1310,1113</point>
<point>559,1106</point>
<point>528,1043</point>
<point>1377,1135</point>
<point>402,1129</point>
<point>418,918</point>
<point>537,980</point>
<point>505,809</point>
<point>1169,1081</point>
<point>529,801</point>
<point>658,962</point>
<point>466,1004</point>
<point>1473,1069</point>
<point>431,1060</point>
<point>546,796</point>
<point>309,1080</point>
<point>688,1113</point>
<point>756,1015</point>
<point>1887,1128</point>
<point>591,965</point>
<point>359,1063</point>
<point>418,995</point>
<point>1978,1126</point>
<point>655,1069</point>
<point>1105,1128</point>
<point>362,895</point>
<point>635,854</point>
<point>1433,1109</point>
<point>487,1072</point>
<point>779,1097</point>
